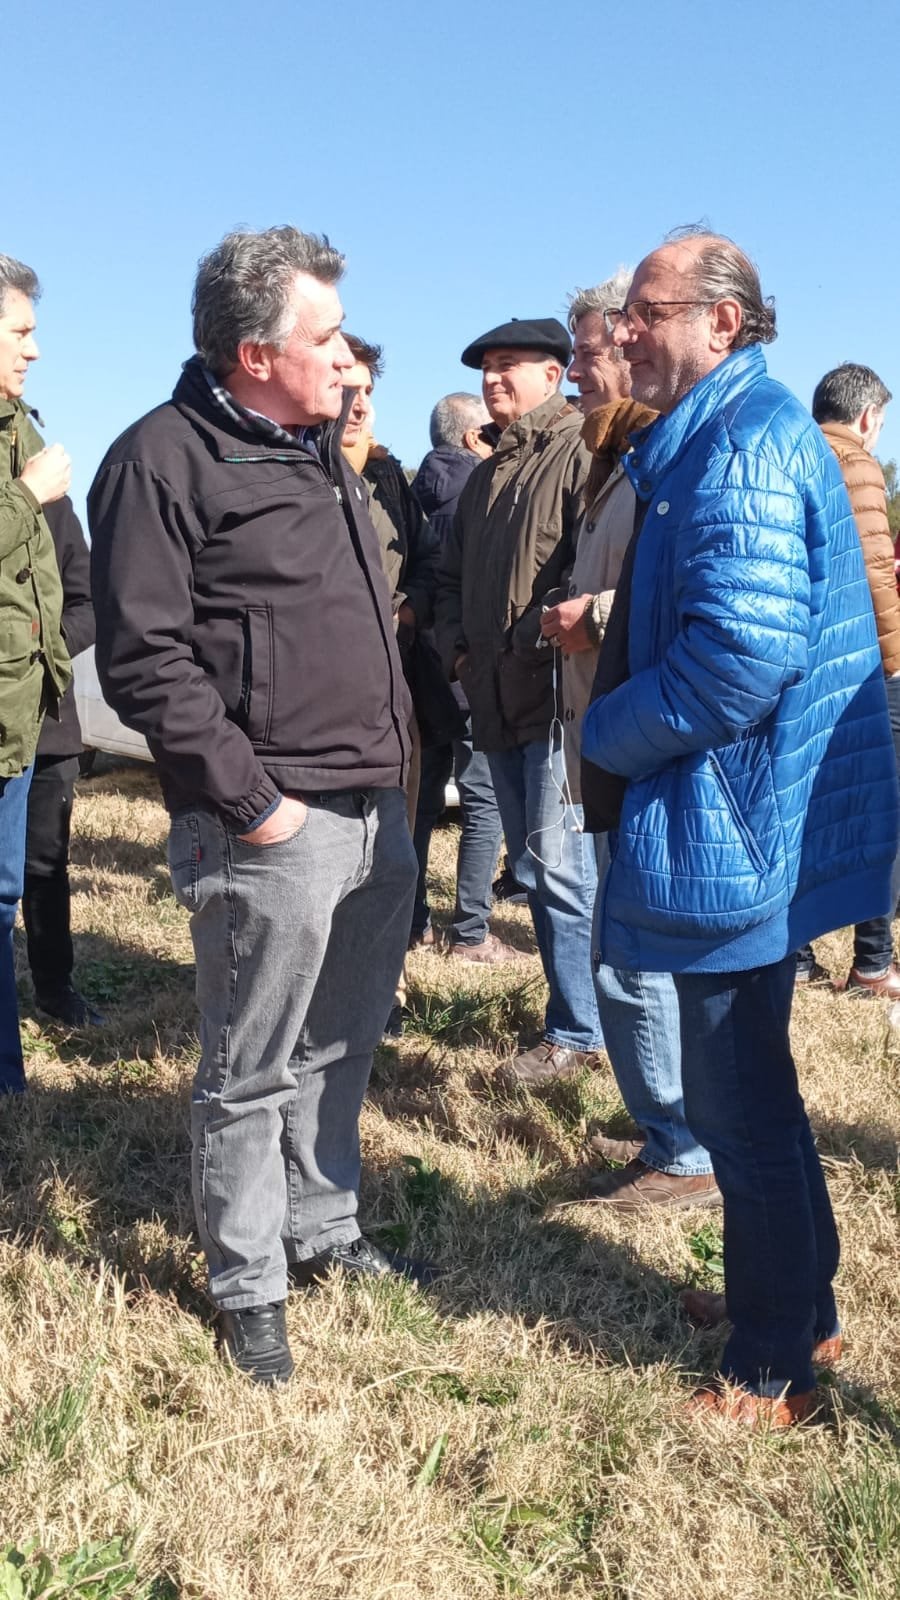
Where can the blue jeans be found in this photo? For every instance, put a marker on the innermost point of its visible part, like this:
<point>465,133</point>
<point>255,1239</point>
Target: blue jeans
<point>13,816</point>
<point>561,886</point>
<point>743,1102</point>
<point>298,946</point>
<point>479,842</point>
<point>639,1015</point>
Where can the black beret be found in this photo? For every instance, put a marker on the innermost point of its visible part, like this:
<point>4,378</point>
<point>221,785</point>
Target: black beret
<point>544,335</point>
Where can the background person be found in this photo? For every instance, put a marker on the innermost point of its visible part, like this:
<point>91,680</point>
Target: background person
<point>34,664</point>
<point>510,542</point>
<point>461,436</point>
<point>664,1165</point>
<point>46,897</point>
<point>849,406</point>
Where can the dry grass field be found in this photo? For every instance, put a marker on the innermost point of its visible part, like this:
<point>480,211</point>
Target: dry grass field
<point>516,1431</point>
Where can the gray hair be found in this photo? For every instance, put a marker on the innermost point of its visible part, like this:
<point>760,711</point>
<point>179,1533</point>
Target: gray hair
<point>603,297</point>
<point>846,390</point>
<point>453,416</point>
<point>15,275</point>
<point>245,286</point>
<point>724,272</point>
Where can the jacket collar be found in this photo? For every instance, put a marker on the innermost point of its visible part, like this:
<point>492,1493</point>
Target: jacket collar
<point>840,434</point>
<point>535,422</point>
<point>656,449</point>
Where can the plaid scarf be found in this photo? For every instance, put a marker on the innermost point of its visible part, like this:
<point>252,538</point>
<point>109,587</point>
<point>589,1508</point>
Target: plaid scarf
<point>306,438</point>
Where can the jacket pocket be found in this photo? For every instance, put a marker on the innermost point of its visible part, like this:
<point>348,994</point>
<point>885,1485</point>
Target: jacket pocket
<point>257,675</point>
<point>525,691</point>
<point>741,825</point>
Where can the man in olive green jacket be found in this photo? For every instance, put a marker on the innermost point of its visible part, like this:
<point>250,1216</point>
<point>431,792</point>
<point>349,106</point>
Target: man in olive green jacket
<point>511,542</point>
<point>34,664</point>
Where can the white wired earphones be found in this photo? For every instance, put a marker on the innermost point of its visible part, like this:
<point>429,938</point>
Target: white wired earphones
<point>556,732</point>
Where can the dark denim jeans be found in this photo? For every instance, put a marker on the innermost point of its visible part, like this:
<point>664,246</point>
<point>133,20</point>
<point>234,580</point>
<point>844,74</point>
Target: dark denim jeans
<point>13,812</point>
<point>743,1103</point>
<point>479,843</point>
<point>46,895</point>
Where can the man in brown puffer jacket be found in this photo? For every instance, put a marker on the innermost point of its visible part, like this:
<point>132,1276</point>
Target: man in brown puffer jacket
<point>849,406</point>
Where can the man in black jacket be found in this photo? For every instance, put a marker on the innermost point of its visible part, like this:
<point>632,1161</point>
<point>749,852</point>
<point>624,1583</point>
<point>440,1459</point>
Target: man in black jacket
<point>46,895</point>
<point>244,626</point>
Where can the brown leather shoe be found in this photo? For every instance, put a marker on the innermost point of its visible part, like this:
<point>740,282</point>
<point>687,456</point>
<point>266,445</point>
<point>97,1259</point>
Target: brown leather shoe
<point>546,1062</point>
<point>757,1411</point>
<point>610,1149</point>
<point>887,986</point>
<point>422,941</point>
<point>708,1310</point>
<point>492,952</point>
<point>637,1186</point>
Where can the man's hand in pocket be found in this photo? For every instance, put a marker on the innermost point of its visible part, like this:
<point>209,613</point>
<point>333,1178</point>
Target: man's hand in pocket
<point>286,820</point>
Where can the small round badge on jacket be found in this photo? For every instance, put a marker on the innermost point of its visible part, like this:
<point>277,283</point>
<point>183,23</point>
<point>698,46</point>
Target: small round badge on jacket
<point>662,508</point>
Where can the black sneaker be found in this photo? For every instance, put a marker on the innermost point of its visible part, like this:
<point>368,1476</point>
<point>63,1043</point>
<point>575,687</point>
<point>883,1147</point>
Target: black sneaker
<point>254,1339</point>
<point>68,1006</point>
<point>393,1028</point>
<point>508,888</point>
<point>361,1259</point>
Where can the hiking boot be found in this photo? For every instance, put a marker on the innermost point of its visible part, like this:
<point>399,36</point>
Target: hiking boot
<point>422,941</point>
<point>361,1259</point>
<point>612,1149</point>
<point>886,985</point>
<point>708,1310</point>
<point>636,1186</point>
<point>66,1005</point>
<point>547,1062</point>
<point>254,1340</point>
<point>760,1412</point>
<point>492,952</point>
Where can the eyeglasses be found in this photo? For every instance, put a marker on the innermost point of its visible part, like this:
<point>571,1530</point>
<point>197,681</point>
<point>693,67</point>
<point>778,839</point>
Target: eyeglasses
<point>641,314</point>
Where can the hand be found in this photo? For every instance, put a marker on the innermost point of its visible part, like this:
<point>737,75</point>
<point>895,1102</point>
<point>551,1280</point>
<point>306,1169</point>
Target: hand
<point>564,625</point>
<point>48,474</point>
<point>406,616</point>
<point>286,820</point>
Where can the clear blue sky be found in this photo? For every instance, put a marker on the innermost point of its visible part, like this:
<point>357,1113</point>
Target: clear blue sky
<point>473,161</point>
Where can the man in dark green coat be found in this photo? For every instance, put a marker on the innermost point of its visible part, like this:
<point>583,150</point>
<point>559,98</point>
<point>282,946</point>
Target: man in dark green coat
<point>34,664</point>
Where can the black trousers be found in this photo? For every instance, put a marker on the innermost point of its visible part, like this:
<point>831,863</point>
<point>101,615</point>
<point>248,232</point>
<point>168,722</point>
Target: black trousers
<point>45,901</point>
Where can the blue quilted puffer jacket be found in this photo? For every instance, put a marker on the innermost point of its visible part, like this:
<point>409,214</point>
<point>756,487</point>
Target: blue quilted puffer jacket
<point>761,803</point>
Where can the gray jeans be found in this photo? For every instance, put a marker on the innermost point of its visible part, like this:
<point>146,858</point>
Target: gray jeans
<point>298,948</point>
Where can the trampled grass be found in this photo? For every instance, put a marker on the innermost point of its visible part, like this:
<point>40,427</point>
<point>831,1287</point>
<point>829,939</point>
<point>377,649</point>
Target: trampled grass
<point>515,1431</point>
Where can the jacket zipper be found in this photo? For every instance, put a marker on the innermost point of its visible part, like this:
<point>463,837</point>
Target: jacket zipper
<point>237,461</point>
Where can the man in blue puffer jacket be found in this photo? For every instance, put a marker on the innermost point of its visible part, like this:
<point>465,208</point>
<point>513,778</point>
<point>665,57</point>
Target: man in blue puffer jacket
<point>739,715</point>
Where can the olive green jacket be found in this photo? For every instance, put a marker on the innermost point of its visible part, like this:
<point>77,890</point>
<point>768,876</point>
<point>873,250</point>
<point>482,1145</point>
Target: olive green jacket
<point>512,540</point>
<point>34,663</point>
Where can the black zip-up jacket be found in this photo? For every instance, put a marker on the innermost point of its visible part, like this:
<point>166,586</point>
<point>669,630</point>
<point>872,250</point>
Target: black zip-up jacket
<point>243,619</point>
<point>63,738</point>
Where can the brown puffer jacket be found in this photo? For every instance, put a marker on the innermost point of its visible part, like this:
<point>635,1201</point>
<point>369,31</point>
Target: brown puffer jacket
<point>511,541</point>
<point>865,486</point>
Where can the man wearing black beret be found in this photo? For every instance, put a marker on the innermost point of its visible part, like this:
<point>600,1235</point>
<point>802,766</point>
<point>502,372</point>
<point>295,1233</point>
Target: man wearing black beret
<point>511,542</point>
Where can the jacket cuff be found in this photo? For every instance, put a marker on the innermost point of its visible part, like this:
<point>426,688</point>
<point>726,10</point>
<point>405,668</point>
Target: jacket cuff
<point>254,808</point>
<point>31,500</point>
